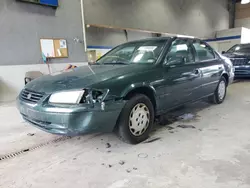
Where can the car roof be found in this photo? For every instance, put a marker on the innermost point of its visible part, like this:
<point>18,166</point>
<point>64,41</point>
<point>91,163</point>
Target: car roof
<point>247,44</point>
<point>163,39</point>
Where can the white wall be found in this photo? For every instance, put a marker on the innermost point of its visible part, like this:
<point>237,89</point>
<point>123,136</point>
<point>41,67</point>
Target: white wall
<point>228,32</point>
<point>226,45</point>
<point>242,17</point>
<point>245,35</point>
<point>214,45</point>
<point>245,22</point>
<point>12,77</point>
<point>220,44</point>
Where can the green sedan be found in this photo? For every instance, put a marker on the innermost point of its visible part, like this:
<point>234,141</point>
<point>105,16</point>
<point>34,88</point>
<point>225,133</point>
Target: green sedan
<point>126,88</point>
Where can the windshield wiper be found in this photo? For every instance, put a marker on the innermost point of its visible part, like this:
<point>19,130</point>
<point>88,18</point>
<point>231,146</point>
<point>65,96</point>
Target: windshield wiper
<point>116,63</point>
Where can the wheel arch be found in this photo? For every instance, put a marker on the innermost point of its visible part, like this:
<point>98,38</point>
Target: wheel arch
<point>144,89</point>
<point>226,76</point>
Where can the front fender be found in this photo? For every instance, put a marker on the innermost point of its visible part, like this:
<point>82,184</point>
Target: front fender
<point>136,86</point>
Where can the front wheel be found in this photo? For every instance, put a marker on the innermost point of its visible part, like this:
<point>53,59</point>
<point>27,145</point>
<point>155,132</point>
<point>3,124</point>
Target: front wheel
<point>220,92</point>
<point>136,120</point>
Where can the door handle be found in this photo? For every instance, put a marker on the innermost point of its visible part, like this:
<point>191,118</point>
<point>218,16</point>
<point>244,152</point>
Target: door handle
<point>197,71</point>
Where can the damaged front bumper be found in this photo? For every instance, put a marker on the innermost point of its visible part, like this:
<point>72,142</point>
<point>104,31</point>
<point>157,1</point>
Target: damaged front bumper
<point>72,120</point>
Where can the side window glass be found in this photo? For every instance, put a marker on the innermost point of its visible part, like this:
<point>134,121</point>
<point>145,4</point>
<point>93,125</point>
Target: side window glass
<point>203,51</point>
<point>180,53</point>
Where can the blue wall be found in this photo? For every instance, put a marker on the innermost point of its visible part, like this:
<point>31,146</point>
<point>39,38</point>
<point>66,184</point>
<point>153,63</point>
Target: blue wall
<point>53,3</point>
<point>49,2</point>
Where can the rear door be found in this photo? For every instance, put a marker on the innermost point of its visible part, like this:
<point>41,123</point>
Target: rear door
<point>210,66</point>
<point>182,78</point>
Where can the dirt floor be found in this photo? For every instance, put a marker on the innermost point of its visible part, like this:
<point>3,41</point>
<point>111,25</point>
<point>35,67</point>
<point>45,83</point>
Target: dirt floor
<point>210,148</point>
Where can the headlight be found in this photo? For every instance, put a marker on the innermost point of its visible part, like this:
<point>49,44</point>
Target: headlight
<point>89,96</point>
<point>94,96</point>
<point>67,97</point>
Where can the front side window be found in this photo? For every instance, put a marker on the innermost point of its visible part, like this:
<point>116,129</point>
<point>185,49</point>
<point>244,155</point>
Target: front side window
<point>203,51</point>
<point>180,53</point>
<point>136,52</point>
<point>244,48</point>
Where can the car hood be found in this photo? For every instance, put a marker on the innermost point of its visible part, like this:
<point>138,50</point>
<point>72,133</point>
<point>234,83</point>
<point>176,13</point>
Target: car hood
<point>82,77</point>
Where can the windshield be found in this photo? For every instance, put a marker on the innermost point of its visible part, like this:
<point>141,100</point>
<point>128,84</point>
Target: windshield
<point>135,52</point>
<point>240,49</point>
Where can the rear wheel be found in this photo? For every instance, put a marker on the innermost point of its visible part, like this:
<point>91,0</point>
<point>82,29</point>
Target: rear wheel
<point>136,120</point>
<point>220,92</point>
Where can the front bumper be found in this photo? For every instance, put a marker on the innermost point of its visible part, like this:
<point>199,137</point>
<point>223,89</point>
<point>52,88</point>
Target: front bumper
<point>242,71</point>
<point>71,120</point>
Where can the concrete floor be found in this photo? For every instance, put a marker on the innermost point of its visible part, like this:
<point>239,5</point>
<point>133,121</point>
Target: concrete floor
<point>214,154</point>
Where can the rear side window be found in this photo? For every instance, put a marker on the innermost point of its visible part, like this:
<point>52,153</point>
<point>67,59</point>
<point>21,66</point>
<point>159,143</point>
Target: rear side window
<point>203,51</point>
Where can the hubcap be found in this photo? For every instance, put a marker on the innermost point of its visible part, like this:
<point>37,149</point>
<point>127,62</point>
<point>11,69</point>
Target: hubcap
<point>139,119</point>
<point>222,90</point>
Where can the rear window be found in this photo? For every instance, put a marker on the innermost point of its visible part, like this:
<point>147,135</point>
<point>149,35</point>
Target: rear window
<point>240,48</point>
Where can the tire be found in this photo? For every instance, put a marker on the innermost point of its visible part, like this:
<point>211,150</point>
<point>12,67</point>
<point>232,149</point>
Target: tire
<point>137,115</point>
<point>219,96</point>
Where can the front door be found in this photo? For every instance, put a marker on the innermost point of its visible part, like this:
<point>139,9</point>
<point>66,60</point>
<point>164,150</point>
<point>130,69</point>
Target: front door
<point>210,66</point>
<point>182,78</point>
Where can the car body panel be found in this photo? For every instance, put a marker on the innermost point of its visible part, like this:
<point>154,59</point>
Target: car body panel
<point>71,121</point>
<point>171,87</point>
<point>211,73</point>
<point>229,68</point>
<point>242,71</point>
<point>81,77</point>
<point>181,85</point>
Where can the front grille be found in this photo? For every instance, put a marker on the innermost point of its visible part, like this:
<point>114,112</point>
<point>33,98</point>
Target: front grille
<point>240,61</point>
<point>31,96</point>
